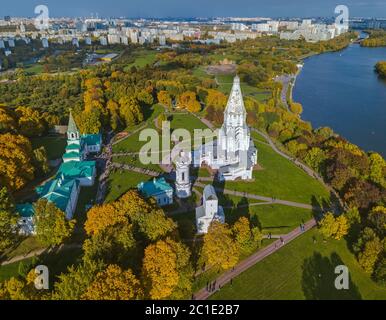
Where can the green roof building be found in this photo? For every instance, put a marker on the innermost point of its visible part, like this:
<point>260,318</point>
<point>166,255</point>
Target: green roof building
<point>158,189</point>
<point>79,146</point>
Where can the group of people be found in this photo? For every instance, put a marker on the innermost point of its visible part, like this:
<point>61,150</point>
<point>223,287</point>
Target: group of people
<point>211,286</point>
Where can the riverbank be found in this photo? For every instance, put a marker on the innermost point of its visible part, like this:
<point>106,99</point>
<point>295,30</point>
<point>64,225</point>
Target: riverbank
<point>334,89</point>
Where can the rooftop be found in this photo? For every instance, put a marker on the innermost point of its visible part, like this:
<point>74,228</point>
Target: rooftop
<point>25,210</point>
<point>154,187</point>
<point>77,169</point>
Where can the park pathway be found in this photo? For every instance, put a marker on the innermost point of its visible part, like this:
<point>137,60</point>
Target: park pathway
<point>38,252</point>
<point>266,200</point>
<point>244,265</point>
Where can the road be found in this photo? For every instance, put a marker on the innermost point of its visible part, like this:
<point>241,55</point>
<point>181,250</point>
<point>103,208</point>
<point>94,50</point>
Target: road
<point>286,81</point>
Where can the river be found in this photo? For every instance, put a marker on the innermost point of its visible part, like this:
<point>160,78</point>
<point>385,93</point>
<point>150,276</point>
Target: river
<point>341,90</point>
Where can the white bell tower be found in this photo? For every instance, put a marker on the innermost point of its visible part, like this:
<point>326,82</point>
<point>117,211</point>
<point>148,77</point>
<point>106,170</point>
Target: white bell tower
<point>183,183</point>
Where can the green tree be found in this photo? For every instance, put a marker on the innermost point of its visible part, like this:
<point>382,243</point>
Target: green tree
<point>380,272</point>
<point>377,169</point>
<point>52,227</point>
<point>8,229</point>
<point>73,284</point>
<point>40,161</point>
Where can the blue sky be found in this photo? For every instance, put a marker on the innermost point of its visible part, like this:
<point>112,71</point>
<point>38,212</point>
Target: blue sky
<point>194,8</point>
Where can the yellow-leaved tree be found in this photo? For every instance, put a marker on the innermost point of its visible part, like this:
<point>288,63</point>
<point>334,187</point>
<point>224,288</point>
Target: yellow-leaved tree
<point>333,227</point>
<point>166,270</point>
<point>101,217</point>
<point>15,161</point>
<point>114,284</point>
<point>219,249</point>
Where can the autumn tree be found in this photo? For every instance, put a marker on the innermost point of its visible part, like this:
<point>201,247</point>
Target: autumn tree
<point>247,238</point>
<point>52,227</point>
<point>22,288</point>
<point>8,220</point>
<point>216,99</point>
<point>378,169</point>
<point>114,284</point>
<point>361,194</point>
<point>101,217</point>
<point>164,98</point>
<point>296,108</point>
<point>145,97</point>
<point>166,269</point>
<point>7,120</point>
<point>188,100</point>
<point>73,284</point>
<point>115,120</point>
<point>377,219</point>
<point>380,272</point>
<point>370,254</point>
<point>8,227</point>
<point>130,111</point>
<point>314,158</point>
<point>115,244</point>
<point>151,220</point>
<point>88,122</point>
<point>15,161</point>
<point>219,248</point>
<point>30,123</point>
<point>333,227</point>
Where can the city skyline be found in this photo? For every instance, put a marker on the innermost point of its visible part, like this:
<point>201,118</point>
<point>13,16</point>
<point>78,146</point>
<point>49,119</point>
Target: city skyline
<point>200,8</point>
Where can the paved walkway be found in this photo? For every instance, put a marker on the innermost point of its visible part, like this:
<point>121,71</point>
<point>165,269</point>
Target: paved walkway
<point>286,82</point>
<point>38,252</point>
<point>136,169</point>
<point>244,265</point>
<point>32,254</point>
<point>261,198</point>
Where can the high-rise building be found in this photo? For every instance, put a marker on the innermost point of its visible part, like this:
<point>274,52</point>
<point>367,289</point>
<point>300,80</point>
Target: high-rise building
<point>45,43</point>
<point>103,41</point>
<point>11,43</point>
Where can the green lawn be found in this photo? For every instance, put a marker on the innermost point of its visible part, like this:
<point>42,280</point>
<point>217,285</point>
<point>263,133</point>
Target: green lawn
<point>186,121</point>
<point>12,270</point>
<point>303,270</point>
<point>55,146</point>
<point>133,144</point>
<point>281,179</point>
<point>143,58</point>
<point>121,181</point>
<point>136,162</point>
<point>275,219</point>
<point>23,247</point>
<point>34,69</point>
